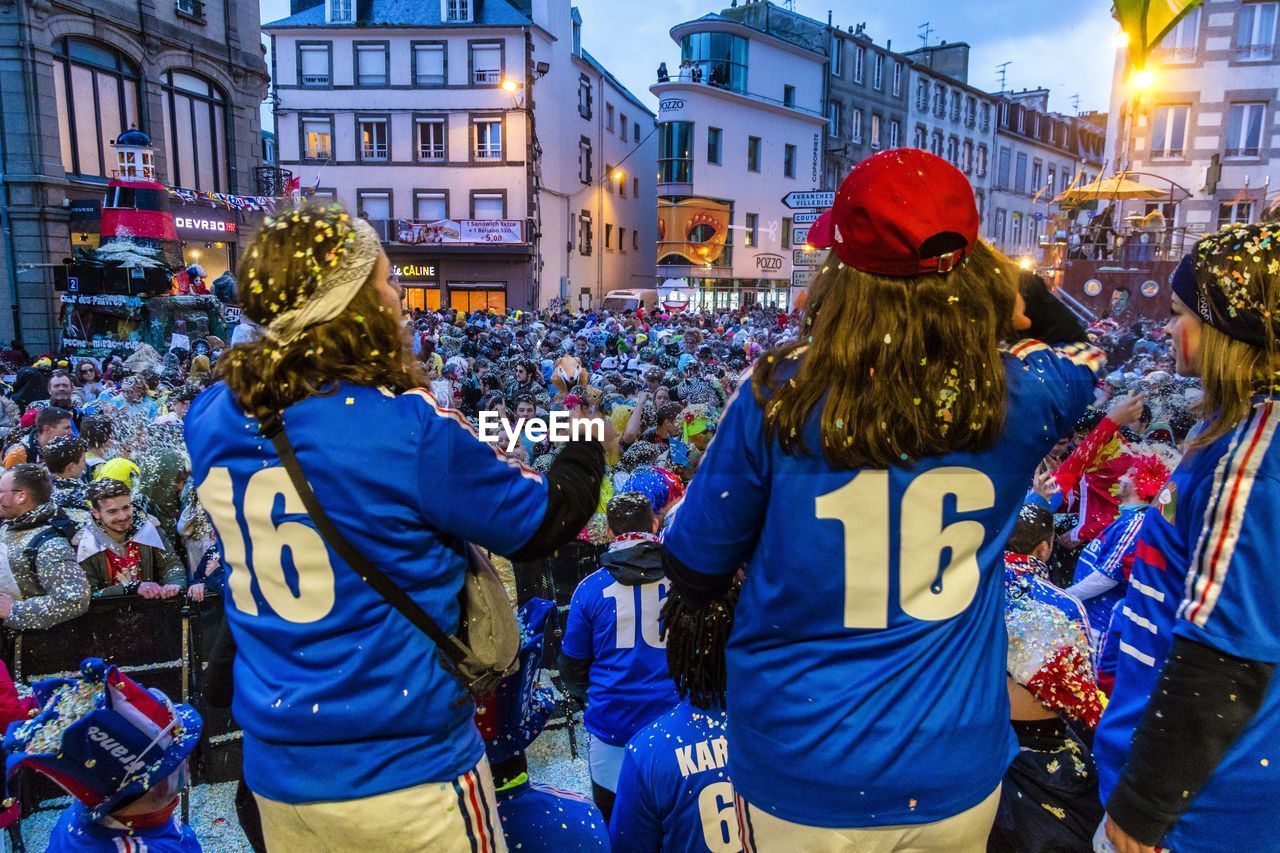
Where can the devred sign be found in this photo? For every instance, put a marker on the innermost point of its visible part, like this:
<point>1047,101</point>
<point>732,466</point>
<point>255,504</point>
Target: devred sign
<point>209,225</point>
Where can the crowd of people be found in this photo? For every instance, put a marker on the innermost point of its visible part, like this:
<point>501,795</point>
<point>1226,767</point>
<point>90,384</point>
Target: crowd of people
<point>818,541</point>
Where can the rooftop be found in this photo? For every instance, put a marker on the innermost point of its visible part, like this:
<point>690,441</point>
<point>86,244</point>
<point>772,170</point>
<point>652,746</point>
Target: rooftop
<point>407,13</point>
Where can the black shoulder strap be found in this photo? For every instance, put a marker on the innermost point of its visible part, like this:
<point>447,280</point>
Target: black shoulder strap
<point>35,543</point>
<point>450,646</point>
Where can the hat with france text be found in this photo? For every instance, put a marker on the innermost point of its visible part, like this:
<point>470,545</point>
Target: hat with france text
<point>900,213</point>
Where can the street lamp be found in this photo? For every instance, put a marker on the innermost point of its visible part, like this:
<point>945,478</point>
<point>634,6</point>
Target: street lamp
<point>510,86</point>
<point>1142,80</point>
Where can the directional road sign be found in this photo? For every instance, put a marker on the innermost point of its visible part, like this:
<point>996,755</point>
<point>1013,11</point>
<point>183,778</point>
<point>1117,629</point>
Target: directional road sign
<point>805,218</point>
<point>801,258</point>
<point>800,236</point>
<point>800,278</point>
<point>809,200</point>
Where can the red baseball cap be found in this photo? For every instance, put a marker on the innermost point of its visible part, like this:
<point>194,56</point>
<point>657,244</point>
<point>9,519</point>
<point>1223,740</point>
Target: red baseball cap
<point>900,213</point>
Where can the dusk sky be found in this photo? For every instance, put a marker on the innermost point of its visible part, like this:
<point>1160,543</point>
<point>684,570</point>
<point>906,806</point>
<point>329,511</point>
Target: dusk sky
<point>1067,47</point>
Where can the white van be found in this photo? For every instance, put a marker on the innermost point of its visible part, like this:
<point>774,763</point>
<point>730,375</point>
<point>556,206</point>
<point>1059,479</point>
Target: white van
<point>629,300</point>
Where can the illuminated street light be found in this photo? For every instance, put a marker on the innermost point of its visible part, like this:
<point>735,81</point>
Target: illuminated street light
<point>1027,262</point>
<point>1142,80</point>
<point>1122,39</point>
<point>618,174</point>
<point>510,86</point>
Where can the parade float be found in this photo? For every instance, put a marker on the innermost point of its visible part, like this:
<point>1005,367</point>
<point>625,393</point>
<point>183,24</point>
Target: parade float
<point>134,289</point>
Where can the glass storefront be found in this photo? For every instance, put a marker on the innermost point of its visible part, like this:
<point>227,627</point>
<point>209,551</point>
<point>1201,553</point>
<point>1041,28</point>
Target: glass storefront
<point>478,297</point>
<point>420,298</point>
<point>675,152</point>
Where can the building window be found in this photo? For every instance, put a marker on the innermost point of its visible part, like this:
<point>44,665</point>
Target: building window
<point>584,96</point>
<point>457,11</point>
<point>897,78</point>
<point>430,205</point>
<point>195,120</point>
<point>374,205</point>
<point>835,116</point>
<point>585,233</point>
<point>1037,172</point>
<point>721,57</point>
<point>430,139</point>
<point>608,237</point>
<point>1004,170</point>
<point>980,164</point>
<point>970,111</point>
<point>786,232</point>
<point>585,173</point>
<point>1230,213</point>
<point>1244,130</point>
<point>939,100</point>
<point>339,11</point>
<point>373,138</point>
<point>936,144</point>
<point>103,103</point>
<point>622,239</point>
<point>1169,130</point>
<point>608,117</point>
<point>966,157</point>
<point>317,137</point>
<point>753,154</point>
<point>986,117</point>
<point>622,183</point>
<point>1020,173</point>
<point>1052,180</point>
<point>488,205</point>
<point>486,137</point>
<point>1180,44</point>
<point>752,234</point>
<point>371,64</point>
<point>953,150</point>
<point>635,239</point>
<point>430,64</point>
<point>856,116</point>
<point>608,177</point>
<point>895,133</point>
<point>788,96</point>
<point>635,131</point>
<point>877,81</point>
<point>675,152</point>
<point>486,63</point>
<point>837,57</point>
<point>859,60</point>
<point>315,63</point>
<point>922,95</point>
<point>1256,32</point>
<point>715,140</point>
<point>789,161</point>
<point>623,132</point>
<point>921,138</point>
<point>875,132</point>
<point>635,187</point>
<point>1017,229</point>
<point>955,106</point>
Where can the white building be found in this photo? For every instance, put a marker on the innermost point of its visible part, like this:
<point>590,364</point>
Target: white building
<point>1207,122</point>
<point>740,127</point>
<point>453,125</point>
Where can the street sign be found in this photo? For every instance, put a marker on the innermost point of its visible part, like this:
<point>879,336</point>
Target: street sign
<point>801,258</point>
<point>809,200</point>
<point>800,236</point>
<point>805,218</point>
<point>800,278</point>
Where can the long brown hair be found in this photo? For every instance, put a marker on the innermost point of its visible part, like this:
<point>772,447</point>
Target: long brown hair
<point>366,344</point>
<point>902,368</point>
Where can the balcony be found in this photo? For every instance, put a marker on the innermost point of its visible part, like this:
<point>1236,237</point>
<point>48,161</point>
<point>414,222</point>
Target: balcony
<point>1254,52</point>
<point>693,75</point>
<point>315,79</point>
<point>373,152</point>
<point>431,153</point>
<point>488,153</point>
<point>486,77</point>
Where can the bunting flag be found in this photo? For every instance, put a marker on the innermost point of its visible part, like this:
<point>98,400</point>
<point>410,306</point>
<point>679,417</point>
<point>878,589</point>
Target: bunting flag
<point>226,201</point>
<point>1146,22</point>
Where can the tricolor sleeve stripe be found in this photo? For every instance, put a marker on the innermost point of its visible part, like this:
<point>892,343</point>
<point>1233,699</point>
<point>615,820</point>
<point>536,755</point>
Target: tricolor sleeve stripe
<point>1084,355</point>
<point>1122,546</point>
<point>1233,485</point>
<point>456,416</point>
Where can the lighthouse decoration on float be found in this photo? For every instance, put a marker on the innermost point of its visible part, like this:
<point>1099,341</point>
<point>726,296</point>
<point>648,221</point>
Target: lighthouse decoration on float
<point>137,226</point>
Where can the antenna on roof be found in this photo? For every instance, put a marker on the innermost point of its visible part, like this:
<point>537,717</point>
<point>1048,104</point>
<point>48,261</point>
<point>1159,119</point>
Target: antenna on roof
<point>1075,103</point>
<point>1002,70</point>
<point>789,5</point>
<point>925,31</point>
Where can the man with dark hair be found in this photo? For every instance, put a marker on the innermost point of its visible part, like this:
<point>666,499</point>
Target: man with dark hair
<point>96,430</point>
<point>43,585</point>
<point>51,422</point>
<point>666,428</point>
<point>612,658</point>
<point>65,458</point>
<point>122,554</point>
<point>1049,799</point>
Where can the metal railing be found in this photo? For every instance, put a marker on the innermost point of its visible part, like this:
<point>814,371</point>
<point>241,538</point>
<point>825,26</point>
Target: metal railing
<point>1254,52</point>
<point>193,8</point>
<point>373,152</point>
<point>481,77</point>
<point>431,152</point>
<point>315,79</point>
<point>488,153</point>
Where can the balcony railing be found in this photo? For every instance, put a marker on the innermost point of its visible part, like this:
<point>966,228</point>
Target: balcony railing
<point>431,152</point>
<point>1166,152</point>
<point>1176,54</point>
<point>1242,152</point>
<point>317,154</point>
<point>315,79</point>
<point>488,153</point>
<point>482,77</point>
<point>373,152</point>
<point>1254,52</point>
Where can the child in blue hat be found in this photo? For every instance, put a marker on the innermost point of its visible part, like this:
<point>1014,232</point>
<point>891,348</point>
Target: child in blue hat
<point>120,750</point>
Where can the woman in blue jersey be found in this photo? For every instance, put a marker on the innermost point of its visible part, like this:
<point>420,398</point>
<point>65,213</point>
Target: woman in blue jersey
<point>355,737</point>
<point>1187,748</point>
<point>867,477</point>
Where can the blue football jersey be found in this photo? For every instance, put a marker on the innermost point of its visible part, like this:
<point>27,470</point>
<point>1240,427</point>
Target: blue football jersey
<point>75,833</point>
<point>1111,554</point>
<point>1205,570</point>
<point>674,793</point>
<point>615,626</point>
<point>866,668</point>
<point>339,695</point>
<point>541,819</point>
